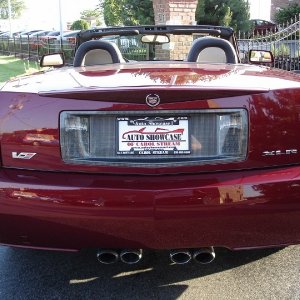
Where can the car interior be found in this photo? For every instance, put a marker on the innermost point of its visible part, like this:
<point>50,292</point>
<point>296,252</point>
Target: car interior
<point>215,43</point>
<point>203,50</point>
<point>201,44</point>
<point>97,52</point>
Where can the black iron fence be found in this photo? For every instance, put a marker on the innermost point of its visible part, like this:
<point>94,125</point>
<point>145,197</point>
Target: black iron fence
<point>34,48</point>
<point>284,42</point>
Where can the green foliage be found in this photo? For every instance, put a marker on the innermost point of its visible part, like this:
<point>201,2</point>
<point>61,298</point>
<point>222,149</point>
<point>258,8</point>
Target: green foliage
<point>80,25</point>
<point>17,7</point>
<point>288,13</point>
<point>233,13</point>
<point>228,17</point>
<point>138,12</point>
<point>127,12</point>
<point>12,67</point>
<point>112,12</point>
<point>281,50</point>
<point>90,14</point>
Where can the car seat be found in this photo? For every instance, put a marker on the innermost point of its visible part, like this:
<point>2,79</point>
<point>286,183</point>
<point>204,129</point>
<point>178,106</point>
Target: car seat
<point>97,52</point>
<point>212,50</point>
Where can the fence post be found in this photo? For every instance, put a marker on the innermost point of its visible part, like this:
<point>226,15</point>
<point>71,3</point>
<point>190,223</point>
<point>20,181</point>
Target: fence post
<point>47,45</point>
<point>38,47</point>
<point>15,50</point>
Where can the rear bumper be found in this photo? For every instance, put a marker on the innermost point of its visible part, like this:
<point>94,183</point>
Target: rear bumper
<point>64,211</point>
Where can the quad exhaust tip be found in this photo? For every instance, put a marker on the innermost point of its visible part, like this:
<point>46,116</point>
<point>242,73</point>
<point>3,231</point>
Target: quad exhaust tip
<point>131,256</point>
<point>107,257</point>
<point>128,256</point>
<point>202,255</point>
<point>180,256</point>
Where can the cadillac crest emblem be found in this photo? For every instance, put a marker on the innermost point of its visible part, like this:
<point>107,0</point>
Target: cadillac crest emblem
<point>152,100</point>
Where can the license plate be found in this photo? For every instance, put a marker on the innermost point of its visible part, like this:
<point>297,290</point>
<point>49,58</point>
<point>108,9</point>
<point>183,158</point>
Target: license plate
<point>153,136</point>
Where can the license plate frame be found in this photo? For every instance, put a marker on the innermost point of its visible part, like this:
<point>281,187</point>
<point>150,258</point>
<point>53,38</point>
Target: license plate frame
<point>152,136</point>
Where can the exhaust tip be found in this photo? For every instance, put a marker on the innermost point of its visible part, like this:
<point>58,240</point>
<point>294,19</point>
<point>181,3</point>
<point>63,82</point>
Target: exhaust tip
<point>131,256</point>
<point>204,255</point>
<point>180,257</point>
<point>107,256</point>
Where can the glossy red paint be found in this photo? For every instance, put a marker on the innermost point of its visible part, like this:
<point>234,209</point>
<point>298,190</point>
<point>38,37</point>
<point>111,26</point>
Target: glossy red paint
<point>73,211</point>
<point>48,203</point>
<point>181,75</point>
<point>272,116</point>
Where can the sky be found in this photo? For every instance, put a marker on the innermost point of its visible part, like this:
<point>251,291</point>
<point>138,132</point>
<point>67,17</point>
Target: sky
<point>260,9</point>
<point>44,14</point>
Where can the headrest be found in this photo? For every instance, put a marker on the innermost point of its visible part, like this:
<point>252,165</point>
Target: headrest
<point>97,52</point>
<point>217,46</point>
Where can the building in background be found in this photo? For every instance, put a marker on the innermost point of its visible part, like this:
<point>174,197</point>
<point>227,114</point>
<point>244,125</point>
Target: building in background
<point>277,4</point>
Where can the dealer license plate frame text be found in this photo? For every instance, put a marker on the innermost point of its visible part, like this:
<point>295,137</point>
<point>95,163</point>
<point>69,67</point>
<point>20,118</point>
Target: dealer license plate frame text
<point>153,135</point>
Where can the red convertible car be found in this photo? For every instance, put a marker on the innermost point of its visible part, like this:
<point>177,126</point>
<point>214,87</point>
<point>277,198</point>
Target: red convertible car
<point>167,143</point>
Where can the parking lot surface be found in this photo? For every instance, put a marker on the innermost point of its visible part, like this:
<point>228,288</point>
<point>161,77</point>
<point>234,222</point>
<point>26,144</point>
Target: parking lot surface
<point>251,274</point>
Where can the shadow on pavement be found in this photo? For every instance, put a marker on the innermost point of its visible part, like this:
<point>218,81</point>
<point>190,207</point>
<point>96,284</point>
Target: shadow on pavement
<point>30,274</point>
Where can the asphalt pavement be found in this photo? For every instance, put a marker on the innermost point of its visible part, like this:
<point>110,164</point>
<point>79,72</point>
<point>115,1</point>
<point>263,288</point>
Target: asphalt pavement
<point>251,274</point>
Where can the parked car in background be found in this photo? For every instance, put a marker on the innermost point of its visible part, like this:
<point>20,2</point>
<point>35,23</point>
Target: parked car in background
<point>68,37</point>
<point>262,27</point>
<point>50,37</point>
<point>38,34</point>
<point>52,34</point>
<point>26,34</point>
<point>17,33</point>
<point>35,38</point>
<point>185,149</point>
<point>4,34</point>
<point>14,34</point>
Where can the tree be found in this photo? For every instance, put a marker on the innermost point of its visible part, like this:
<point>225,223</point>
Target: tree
<point>127,12</point>
<point>91,15</point>
<point>234,13</point>
<point>138,12</point>
<point>80,25</point>
<point>17,7</point>
<point>112,11</point>
<point>288,13</point>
